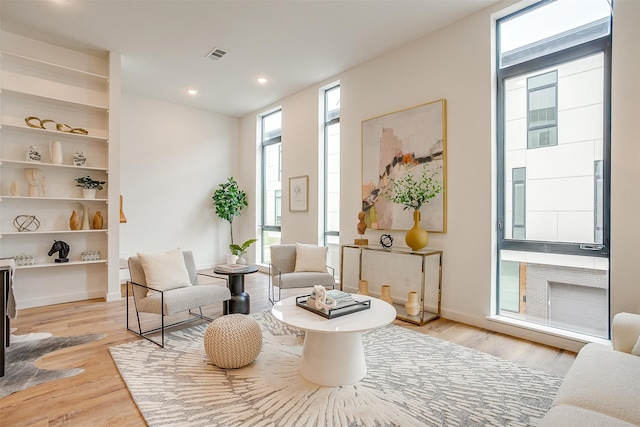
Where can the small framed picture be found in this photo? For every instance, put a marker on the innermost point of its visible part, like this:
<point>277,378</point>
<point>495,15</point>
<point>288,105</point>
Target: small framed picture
<point>299,193</point>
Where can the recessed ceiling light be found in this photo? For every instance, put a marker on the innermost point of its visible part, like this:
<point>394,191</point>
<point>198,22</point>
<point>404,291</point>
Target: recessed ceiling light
<point>192,91</point>
<point>262,80</point>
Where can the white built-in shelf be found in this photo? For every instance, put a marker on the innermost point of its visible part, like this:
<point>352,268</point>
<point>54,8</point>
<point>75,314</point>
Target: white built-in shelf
<point>13,58</point>
<point>61,264</point>
<point>27,233</point>
<point>50,133</point>
<point>68,199</point>
<point>23,163</point>
<point>33,97</point>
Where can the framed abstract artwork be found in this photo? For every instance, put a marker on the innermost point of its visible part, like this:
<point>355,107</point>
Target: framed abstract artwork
<point>400,143</point>
<point>299,193</point>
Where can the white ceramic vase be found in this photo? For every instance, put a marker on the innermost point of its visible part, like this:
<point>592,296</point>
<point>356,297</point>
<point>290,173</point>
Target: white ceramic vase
<point>89,193</point>
<point>231,258</point>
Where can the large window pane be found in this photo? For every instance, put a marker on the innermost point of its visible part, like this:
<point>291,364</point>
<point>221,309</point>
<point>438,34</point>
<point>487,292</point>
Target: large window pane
<point>560,170</point>
<point>271,182</point>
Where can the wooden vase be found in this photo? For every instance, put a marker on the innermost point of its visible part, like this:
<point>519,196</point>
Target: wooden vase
<point>412,306</point>
<point>74,221</point>
<point>97,221</point>
<point>417,237</point>
<point>385,294</point>
<point>363,288</point>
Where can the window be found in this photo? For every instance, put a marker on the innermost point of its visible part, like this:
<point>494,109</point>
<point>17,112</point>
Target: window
<point>271,128</point>
<point>519,203</point>
<point>598,202</point>
<point>331,97</point>
<point>553,165</point>
<point>542,115</point>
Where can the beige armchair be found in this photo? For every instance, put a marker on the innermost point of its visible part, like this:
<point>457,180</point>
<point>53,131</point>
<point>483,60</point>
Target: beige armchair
<point>150,298</point>
<point>298,266</point>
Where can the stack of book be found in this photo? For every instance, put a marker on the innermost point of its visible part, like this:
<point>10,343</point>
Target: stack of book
<point>232,268</point>
<point>343,299</point>
<point>346,304</point>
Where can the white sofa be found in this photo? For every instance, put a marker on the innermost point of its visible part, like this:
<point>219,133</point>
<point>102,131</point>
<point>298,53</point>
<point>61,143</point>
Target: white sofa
<point>602,388</point>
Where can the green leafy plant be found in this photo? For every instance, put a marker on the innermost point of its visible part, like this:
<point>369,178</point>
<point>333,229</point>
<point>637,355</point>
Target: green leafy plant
<point>229,200</point>
<point>412,193</point>
<point>89,183</point>
<point>240,250</point>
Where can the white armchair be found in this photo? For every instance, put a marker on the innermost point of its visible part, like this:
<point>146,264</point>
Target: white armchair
<point>298,266</point>
<point>174,296</point>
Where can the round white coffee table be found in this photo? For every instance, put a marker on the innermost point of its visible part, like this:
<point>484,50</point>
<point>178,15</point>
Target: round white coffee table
<point>332,353</point>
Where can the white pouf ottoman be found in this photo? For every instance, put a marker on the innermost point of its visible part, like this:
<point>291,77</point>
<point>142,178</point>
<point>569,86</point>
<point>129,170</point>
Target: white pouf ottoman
<point>233,341</point>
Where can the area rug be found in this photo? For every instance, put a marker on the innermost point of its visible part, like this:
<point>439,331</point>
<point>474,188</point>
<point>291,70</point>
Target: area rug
<point>412,380</point>
<point>20,369</point>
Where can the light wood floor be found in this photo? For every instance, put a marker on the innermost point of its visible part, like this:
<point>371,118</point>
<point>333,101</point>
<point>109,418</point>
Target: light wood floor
<point>99,397</point>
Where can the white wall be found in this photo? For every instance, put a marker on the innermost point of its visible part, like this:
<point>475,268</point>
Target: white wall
<point>456,63</point>
<point>172,160</point>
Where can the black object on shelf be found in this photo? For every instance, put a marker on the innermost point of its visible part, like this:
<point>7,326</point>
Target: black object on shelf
<point>332,313</point>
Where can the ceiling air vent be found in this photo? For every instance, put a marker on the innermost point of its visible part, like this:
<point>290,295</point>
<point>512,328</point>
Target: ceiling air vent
<point>216,53</point>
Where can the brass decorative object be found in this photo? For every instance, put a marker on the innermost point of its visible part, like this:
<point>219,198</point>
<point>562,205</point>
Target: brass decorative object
<point>35,122</point>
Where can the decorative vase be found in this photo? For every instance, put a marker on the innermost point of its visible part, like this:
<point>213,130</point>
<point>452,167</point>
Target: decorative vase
<point>416,238</point>
<point>231,258</point>
<point>412,306</point>
<point>89,193</point>
<point>55,151</point>
<point>85,218</point>
<point>74,221</point>
<point>363,288</point>
<point>15,188</point>
<point>385,294</point>
<point>97,221</point>
<point>79,159</point>
<point>241,260</point>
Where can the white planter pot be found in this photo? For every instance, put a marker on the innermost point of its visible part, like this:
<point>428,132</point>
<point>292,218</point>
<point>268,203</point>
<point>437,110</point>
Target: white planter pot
<point>89,193</point>
<point>231,259</point>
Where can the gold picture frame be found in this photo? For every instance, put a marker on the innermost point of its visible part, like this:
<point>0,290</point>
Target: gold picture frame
<point>299,193</point>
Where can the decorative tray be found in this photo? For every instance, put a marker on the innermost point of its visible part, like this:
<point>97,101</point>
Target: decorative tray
<point>341,310</point>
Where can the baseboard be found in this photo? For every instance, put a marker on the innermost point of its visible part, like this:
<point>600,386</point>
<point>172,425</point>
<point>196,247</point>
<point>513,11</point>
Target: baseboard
<point>58,299</point>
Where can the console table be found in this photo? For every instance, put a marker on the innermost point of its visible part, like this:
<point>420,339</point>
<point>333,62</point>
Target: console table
<point>423,316</point>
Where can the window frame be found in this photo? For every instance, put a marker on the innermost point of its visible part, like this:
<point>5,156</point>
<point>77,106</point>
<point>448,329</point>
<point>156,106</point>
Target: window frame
<point>265,143</point>
<point>327,123</point>
<point>600,45</point>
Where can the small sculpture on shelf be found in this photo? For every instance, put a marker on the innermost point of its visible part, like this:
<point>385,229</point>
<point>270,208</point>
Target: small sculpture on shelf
<point>26,223</point>
<point>97,221</point>
<point>362,227</point>
<point>63,250</point>
<point>33,177</point>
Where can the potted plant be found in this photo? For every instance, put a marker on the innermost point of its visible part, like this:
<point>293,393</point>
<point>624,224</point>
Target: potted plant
<point>229,200</point>
<point>412,193</point>
<point>240,250</point>
<point>89,186</point>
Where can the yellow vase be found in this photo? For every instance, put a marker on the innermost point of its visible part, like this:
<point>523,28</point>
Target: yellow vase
<point>416,238</point>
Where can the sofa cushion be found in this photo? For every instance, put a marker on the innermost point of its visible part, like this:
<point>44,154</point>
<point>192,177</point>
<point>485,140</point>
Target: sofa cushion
<point>311,258</point>
<point>306,279</point>
<point>603,380</point>
<point>563,416</point>
<point>165,271</point>
<point>182,299</point>
<point>636,348</point>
